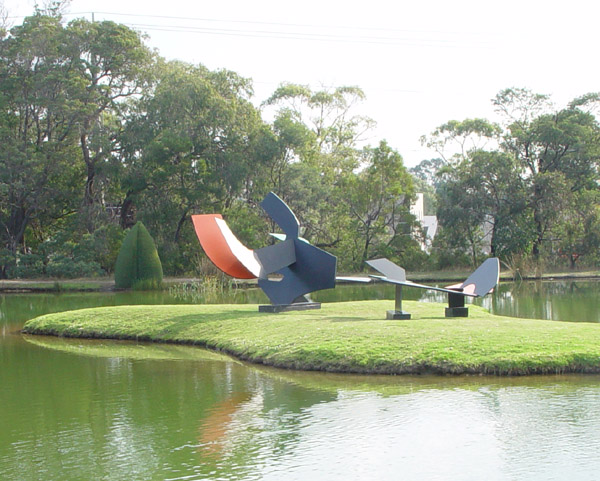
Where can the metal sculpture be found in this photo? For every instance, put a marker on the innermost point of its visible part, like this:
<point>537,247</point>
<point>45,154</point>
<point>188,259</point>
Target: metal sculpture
<point>303,268</point>
<point>481,282</point>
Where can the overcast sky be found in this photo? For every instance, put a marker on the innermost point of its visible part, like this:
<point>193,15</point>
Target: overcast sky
<point>420,63</point>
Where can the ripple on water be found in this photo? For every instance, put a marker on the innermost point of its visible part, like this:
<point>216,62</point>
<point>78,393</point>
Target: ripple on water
<point>492,434</point>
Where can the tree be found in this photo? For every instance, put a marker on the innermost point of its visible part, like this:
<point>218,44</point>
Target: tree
<point>482,201</point>
<point>62,89</point>
<point>317,135</point>
<point>426,180</point>
<point>558,153</point>
<point>195,142</point>
<point>378,200</point>
<point>328,114</point>
<point>454,140</point>
<point>110,64</point>
<point>463,203</point>
<point>578,231</point>
<point>38,159</point>
<point>525,179</point>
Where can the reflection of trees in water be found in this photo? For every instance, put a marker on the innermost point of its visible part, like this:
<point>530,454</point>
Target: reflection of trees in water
<point>118,418</point>
<point>568,300</point>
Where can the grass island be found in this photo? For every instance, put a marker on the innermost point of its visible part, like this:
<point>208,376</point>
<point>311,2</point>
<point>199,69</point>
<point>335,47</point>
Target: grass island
<point>349,337</point>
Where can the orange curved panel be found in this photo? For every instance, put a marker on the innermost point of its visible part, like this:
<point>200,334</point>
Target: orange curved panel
<point>223,248</point>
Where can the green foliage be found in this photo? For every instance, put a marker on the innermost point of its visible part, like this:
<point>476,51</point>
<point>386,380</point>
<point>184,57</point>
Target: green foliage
<point>67,267</point>
<point>29,266</point>
<point>65,255</point>
<point>138,265</point>
<point>378,201</point>
<point>208,291</point>
<point>519,189</point>
<point>105,244</point>
<point>450,250</point>
<point>248,223</point>
<point>97,133</point>
<point>328,116</point>
<point>72,253</point>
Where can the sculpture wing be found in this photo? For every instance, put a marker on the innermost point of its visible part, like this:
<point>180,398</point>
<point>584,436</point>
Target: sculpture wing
<point>389,269</point>
<point>281,214</point>
<point>484,279</point>
<point>224,249</point>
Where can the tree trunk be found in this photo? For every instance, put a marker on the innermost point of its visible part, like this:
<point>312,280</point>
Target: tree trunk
<point>539,226</point>
<point>493,240</point>
<point>19,219</point>
<point>573,259</point>
<point>88,198</point>
<point>182,220</point>
<point>365,254</point>
<point>127,218</point>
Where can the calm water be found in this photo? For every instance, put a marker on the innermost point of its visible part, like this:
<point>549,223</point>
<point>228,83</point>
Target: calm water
<point>97,410</point>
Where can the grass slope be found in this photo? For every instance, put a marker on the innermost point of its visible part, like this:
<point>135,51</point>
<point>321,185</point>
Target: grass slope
<point>349,337</point>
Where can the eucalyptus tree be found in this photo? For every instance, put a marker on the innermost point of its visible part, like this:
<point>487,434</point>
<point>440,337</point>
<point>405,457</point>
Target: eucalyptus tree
<point>38,159</point>
<point>467,183</point>
<point>518,182</point>
<point>426,180</point>
<point>578,229</point>
<point>558,152</point>
<point>483,201</point>
<point>378,200</point>
<point>330,115</point>
<point>60,100</point>
<point>455,140</point>
<point>111,64</point>
<point>192,143</point>
<point>318,133</point>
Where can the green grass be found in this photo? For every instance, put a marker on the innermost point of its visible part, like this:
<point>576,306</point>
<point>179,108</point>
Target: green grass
<point>349,337</point>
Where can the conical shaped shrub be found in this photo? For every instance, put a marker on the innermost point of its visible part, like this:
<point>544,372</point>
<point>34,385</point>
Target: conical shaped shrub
<point>138,264</point>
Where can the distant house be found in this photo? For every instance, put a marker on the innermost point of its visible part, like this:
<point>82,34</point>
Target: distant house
<point>428,223</point>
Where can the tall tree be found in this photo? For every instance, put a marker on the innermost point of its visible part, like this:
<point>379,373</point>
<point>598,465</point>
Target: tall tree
<point>111,64</point>
<point>38,162</point>
<point>329,114</point>
<point>483,201</point>
<point>378,200</point>
<point>318,133</point>
<point>559,153</point>
<point>194,142</point>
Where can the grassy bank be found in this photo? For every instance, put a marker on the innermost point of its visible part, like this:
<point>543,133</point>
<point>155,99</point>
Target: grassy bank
<point>349,337</point>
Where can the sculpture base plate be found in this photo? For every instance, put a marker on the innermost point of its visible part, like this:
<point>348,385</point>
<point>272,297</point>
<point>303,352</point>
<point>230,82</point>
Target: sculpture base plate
<point>296,306</point>
<point>393,315</point>
<point>457,312</point>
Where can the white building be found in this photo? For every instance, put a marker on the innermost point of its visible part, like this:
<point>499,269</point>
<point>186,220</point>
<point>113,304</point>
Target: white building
<point>428,222</point>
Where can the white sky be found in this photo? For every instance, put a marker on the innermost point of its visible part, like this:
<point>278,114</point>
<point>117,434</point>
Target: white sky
<point>420,63</point>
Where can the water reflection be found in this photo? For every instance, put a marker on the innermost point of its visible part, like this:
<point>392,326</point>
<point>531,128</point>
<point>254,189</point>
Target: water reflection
<point>556,300</point>
<point>565,300</point>
<point>575,300</point>
<point>78,409</point>
<point>128,415</point>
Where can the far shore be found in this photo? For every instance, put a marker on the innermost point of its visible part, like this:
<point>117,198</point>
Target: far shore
<point>108,283</point>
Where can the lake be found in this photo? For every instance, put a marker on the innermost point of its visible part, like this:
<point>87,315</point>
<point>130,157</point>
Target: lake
<point>100,410</point>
